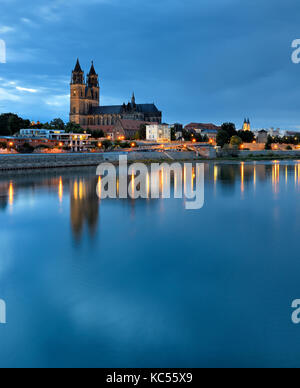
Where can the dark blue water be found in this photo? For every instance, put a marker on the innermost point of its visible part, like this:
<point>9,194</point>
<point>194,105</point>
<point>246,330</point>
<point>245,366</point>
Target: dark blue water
<point>123,283</point>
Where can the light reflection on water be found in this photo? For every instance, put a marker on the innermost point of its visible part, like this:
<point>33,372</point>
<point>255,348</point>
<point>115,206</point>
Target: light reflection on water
<point>146,282</point>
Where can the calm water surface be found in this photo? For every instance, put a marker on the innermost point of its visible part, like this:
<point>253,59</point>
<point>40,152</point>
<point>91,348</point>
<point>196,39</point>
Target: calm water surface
<point>123,283</point>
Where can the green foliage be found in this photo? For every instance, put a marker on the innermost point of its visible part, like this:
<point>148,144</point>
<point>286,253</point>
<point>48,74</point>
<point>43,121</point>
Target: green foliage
<point>230,129</point>
<point>106,144</point>
<point>57,124</point>
<point>246,136</point>
<point>96,134</point>
<point>125,145</point>
<point>173,134</point>
<point>26,148</point>
<point>222,138</point>
<point>236,141</point>
<point>3,145</point>
<point>142,132</point>
<point>186,135</point>
<point>289,148</point>
<point>11,123</point>
<point>73,128</point>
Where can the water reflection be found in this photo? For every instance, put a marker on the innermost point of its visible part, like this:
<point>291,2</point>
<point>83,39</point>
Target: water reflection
<point>78,188</point>
<point>84,204</point>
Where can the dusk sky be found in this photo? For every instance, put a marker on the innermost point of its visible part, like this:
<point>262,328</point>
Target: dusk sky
<point>198,60</point>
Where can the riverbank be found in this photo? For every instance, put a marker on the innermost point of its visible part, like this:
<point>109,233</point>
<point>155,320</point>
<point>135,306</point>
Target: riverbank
<point>45,161</point>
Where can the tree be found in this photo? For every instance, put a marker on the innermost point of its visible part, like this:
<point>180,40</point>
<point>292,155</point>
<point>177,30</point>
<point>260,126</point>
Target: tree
<point>187,135</point>
<point>230,129</point>
<point>246,136</point>
<point>143,132</point>
<point>96,134</point>
<point>222,138</point>
<point>173,134</point>
<point>57,124</point>
<point>269,142</point>
<point>73,128</point>
<point>11,123</point>
<point>107,144</point>
<point>236,141</point>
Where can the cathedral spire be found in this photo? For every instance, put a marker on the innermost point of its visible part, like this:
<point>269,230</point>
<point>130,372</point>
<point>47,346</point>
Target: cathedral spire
<point>92,70</point>
<point>133,99</point>
<point>77,75</point>
<point>92,78</point>
<point>78,67</point>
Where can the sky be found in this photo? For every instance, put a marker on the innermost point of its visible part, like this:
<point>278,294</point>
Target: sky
<point>198,60</point>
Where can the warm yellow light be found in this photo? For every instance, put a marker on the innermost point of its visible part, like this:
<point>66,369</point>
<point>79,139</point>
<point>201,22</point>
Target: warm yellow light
<point>194,141</point>
<point>99,145</point>
<point>11,194</point>
<point>11,144</point>
<point>132,145</point>
<point>60,189</point>
<point>60,144</point>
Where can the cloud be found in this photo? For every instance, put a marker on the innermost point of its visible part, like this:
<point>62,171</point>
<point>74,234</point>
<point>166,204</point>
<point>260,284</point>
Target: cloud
<point>26,90</point>
<point>58,101</point>
<point>26,20</point>
<point>8,96</point>
<point>6,29</point>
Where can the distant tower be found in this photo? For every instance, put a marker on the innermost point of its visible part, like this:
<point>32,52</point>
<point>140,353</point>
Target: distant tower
<point>246,125</point>
<point>93,89</point>
<point>133,99</point>
<point>77,98</point>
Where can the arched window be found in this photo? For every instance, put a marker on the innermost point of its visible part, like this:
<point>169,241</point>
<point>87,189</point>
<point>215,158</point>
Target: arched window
<point>74,111</point>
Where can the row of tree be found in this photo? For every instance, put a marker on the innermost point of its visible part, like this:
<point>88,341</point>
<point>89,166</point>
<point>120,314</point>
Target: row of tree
<point>11,124</point>
<point>229,135</point>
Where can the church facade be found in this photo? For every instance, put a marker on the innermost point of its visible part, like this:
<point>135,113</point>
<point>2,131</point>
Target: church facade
<point>85,108</point>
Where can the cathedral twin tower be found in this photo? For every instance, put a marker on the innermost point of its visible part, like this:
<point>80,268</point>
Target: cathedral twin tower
<point>84,95</point>
<point>86,111</point>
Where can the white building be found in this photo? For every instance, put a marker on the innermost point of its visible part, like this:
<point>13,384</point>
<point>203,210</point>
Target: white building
<point>158,132</point>
<point>76,141</point>
<point>51,134</point>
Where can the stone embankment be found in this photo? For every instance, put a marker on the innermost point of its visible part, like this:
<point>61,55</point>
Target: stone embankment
<point>36,161</point>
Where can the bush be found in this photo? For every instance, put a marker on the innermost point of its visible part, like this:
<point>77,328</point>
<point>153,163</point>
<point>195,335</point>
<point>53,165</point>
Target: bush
<point>45,146</point>
<point>236,141</point>
<point>3,145</point>
<point>125,145</point>
<point>107,144</point>
<point>268,146</point>
<point>26,148</point>
<point>289,148</point>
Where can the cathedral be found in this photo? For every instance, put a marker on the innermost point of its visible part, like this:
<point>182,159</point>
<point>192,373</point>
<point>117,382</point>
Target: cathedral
<point>247,125</point>
<point>85,108</point>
